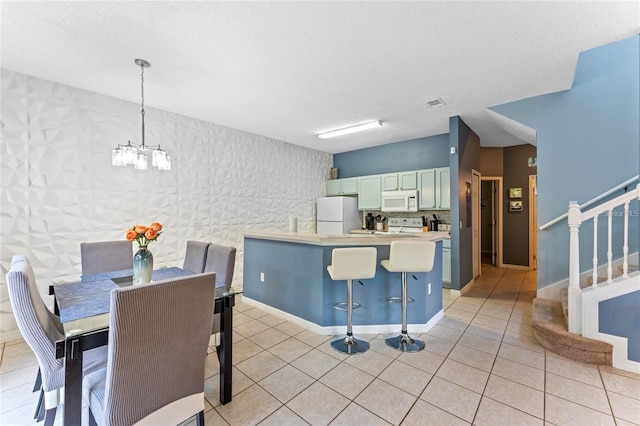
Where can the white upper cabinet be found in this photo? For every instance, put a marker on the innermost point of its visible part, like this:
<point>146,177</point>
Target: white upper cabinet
<point>369,192</point>
<point>389,182</point>
<point>407,181</point>
<point>443,190</point>
<point>346,186</point>
<point>427,189</point>
<point>433,187</point>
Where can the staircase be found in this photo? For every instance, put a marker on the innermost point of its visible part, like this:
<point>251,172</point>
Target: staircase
<point>570,327</point>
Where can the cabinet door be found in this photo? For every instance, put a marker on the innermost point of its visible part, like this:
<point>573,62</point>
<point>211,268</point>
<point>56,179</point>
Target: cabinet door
<point>333,187</point>
<point>349,186</point>
<point>389,182</point>
<point>443,192</point>
<point>446,265</point>
<point>369,189</point>
<point>427,189</point>
<point>407,181</point>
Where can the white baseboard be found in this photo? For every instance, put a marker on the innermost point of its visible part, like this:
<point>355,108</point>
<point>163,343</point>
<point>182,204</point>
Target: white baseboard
<point>467,287</point>
<point>516,267</point>
<point>553,291</point>
<point>340,329</point>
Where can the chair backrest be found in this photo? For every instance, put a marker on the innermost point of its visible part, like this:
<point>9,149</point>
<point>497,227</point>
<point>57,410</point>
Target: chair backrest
<point>353,263</point>
<point>106,256</point>
<point>222,261</point>
<point>158,337</point>
<point>195,256</point>
<point>411,255</point>
<point>39,327</point>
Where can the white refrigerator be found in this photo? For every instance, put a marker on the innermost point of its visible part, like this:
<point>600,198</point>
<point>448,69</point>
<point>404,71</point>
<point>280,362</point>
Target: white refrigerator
<point>337,215</point>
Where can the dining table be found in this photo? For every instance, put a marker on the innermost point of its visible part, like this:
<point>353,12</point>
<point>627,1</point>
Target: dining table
<point>83,305</point>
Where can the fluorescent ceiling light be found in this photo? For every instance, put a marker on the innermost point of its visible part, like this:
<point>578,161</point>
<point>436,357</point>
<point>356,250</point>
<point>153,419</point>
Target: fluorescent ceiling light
<point>351,129</point>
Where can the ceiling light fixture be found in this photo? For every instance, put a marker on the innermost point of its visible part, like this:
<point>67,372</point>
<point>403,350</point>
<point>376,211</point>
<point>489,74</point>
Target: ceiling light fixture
<point>134,154</point>
<point>350,129</point>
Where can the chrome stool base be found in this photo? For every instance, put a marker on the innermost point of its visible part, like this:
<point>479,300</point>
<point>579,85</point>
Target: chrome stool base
<point>405,343</point>
<point>350,345</point>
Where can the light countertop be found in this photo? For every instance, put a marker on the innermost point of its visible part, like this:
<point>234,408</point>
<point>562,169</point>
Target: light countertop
<point>341,240</point>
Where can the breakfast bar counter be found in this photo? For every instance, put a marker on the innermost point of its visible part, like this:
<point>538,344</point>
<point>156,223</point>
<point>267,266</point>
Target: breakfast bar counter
<point>285,273</point>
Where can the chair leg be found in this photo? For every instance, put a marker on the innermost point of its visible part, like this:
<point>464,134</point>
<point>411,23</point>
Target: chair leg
<point>404,342</point>
<point>200,419</point>
<point>38,384</point>
<point>349,344</point>
<point>50,416</point>
<point>39,415</point>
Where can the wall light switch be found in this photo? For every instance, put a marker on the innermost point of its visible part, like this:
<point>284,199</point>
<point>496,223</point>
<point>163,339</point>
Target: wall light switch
<point>429,289</point>
<point>452,150</point>
<point>261,276</point>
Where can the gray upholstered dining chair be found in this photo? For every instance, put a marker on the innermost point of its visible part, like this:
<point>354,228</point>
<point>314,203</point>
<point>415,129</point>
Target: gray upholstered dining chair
<point>41,329</point>
<point>158,338</point>
<point>106,256</point>
<point>222,261</point>
<point>195,256</point>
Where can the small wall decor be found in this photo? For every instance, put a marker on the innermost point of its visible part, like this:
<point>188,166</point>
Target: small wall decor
<point>515,206</point>
<point>515,192</point>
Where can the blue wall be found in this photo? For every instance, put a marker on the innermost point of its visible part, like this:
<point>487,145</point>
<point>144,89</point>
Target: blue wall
<point>620,316</point>
<point>416,154</point>
<point>588,142</point>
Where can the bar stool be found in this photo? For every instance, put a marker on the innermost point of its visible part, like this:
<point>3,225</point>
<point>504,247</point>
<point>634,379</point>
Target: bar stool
<point>354,263</point>
<point>408,256</point>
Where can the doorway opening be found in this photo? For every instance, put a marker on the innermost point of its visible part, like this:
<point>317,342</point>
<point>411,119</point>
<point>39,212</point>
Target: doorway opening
<point>491,221</point>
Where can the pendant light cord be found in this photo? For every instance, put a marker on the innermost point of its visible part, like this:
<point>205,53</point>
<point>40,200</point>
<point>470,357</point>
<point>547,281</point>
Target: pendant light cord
<point>142,103</point>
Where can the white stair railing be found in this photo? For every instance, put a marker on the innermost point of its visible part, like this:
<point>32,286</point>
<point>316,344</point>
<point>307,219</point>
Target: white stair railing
<point>576,218</point>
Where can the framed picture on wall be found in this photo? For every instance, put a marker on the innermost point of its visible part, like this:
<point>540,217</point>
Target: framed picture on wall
<point>515,192</point>
<point>515,206</point>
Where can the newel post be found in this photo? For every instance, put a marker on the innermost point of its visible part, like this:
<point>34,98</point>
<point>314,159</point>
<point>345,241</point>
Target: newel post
<point>575,294</point>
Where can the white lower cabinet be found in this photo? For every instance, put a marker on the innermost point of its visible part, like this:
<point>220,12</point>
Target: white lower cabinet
<point>446,260</point>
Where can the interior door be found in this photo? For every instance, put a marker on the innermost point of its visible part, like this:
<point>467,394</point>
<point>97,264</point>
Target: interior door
<point>475,223</point>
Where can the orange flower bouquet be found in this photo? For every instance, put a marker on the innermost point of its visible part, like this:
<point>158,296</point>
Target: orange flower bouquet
<point>143,235</point>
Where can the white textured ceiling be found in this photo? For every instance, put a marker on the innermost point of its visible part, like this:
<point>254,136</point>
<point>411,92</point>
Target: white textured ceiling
<point>288,70</point>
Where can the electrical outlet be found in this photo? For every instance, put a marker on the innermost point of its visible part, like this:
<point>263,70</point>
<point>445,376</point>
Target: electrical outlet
<point>261,276</point>
<point>429,289</point>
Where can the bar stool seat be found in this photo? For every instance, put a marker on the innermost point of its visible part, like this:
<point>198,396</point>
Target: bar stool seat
<point>408,256</point>
<point>353,263</point>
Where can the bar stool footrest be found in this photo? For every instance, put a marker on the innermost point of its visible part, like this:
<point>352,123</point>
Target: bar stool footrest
<point>342,306</point>
<point>405,343</point>
<point>397,299</point>
<point>350,345</point>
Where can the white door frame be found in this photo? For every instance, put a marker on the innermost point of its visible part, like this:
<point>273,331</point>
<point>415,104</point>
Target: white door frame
<point>476,178</point>
<point>497,230</point>
<point>533,224</point>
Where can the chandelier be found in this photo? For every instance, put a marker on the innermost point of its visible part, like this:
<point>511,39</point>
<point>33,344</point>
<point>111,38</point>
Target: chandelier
<point>134,154</point>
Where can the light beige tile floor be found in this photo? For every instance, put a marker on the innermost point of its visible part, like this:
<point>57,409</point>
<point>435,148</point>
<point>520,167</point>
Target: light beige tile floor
<point>481,366</point>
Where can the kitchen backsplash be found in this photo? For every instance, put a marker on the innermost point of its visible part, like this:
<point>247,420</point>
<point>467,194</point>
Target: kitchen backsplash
<point>443,215</point>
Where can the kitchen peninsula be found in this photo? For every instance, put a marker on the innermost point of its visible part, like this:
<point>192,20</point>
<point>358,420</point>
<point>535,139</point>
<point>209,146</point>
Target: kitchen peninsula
<point>285,273</point>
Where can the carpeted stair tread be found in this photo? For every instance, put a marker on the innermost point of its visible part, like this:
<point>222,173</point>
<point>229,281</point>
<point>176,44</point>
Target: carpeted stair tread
<point>551,332</point>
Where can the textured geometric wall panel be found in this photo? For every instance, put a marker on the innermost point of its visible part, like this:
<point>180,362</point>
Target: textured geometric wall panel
<point>59,188</point>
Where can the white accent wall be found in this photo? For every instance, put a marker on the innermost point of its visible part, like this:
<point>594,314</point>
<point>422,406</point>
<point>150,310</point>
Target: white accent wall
<point>58,187</point>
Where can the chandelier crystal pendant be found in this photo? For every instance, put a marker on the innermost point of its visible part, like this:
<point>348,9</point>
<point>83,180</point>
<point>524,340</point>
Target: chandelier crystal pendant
<point>134,154</point>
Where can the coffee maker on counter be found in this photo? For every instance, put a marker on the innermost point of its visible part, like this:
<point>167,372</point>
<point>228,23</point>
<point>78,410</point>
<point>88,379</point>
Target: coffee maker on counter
<point>369,222</point>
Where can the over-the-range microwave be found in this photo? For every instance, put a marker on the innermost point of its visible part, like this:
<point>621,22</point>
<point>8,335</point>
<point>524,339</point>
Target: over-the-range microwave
<point>400,201</point>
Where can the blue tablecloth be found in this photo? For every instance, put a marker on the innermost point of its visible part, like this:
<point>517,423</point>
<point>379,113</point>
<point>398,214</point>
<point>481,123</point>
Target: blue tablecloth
<point>91,296</point>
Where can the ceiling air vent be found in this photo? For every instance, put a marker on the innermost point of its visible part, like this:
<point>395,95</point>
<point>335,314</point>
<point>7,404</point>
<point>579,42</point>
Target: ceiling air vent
<point>435,103</point>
